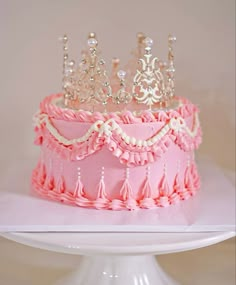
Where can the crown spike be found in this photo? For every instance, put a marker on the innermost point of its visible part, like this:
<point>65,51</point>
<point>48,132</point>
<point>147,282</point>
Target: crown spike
<point>140,37</point>
<point>64,41</point>
<point>122,96</point>
<point>171,68</point>
<point>115,63</point>
<point>171,41</point>
<point>140,40</point>
<point>148,87</point>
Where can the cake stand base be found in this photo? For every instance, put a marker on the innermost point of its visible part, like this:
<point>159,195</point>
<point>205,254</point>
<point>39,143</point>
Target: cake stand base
<point>118,270</point>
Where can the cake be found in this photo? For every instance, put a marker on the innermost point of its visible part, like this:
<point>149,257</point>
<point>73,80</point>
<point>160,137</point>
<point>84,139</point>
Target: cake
<point>122,142</point>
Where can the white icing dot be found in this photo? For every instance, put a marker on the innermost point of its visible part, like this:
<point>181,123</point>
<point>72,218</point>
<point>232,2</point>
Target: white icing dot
<point>153,140</point>
<point>118,130</point>
<point>127,172</point>
<point>139,143</point>
<point>127,139</point>
<point>145,143</point>
<point>133,141</point>
<point>165,168</point>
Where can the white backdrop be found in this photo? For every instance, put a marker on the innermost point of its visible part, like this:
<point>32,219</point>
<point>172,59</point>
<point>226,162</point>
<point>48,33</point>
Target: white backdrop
<point>31,59</point>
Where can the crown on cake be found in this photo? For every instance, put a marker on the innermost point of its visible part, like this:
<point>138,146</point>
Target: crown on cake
<point>146,80</point>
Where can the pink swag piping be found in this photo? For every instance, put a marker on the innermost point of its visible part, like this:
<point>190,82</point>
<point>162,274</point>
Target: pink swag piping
<point>128,154</point>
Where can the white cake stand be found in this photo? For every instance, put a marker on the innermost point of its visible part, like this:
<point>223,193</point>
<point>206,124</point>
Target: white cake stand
<point>118,258</point>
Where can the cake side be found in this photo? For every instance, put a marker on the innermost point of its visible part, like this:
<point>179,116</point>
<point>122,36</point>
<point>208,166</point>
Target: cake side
<point>119,160</point>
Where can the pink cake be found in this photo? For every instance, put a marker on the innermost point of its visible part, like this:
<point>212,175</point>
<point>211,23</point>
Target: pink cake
<point>106,144</point>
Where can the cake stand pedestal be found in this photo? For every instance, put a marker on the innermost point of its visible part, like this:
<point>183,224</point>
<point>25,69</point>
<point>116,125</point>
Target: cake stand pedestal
<point>118,270</point>
<point>118,258</point>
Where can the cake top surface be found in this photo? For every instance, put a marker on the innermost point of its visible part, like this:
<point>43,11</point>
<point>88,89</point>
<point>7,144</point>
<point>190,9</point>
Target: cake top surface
<point>146,82</point>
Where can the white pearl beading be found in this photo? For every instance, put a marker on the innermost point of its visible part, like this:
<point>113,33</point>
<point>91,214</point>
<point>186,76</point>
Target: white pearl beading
<point>127,173</point>
<point>102,173</point>
<point>110,126</point>
<point>148,171</point>
<point>78,172</point>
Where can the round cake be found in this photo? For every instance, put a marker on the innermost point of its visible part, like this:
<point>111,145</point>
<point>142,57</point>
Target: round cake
<point>106,144</point>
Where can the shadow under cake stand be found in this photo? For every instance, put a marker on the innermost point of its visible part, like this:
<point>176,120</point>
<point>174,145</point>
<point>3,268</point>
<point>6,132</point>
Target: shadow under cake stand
<point>118,258</point>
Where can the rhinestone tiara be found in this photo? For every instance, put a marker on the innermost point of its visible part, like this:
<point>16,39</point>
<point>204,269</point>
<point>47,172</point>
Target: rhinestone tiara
<point>145,83</point>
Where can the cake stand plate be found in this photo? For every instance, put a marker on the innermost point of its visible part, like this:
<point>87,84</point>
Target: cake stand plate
<point>118,258</point>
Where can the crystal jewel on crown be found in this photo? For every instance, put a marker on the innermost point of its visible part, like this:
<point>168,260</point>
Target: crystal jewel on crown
<point>146,81</point>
